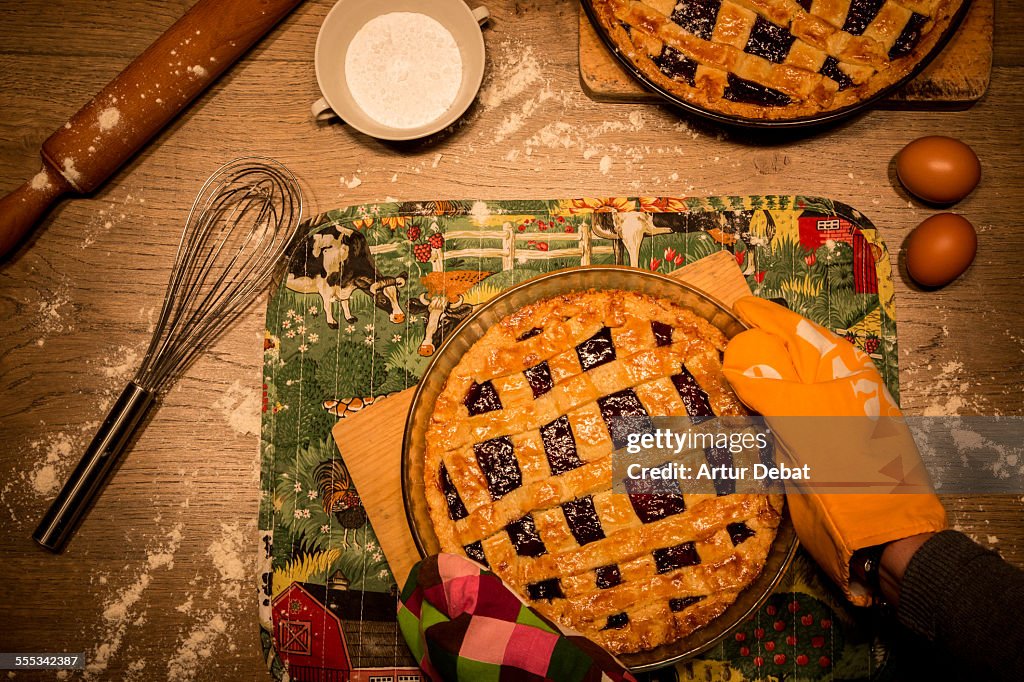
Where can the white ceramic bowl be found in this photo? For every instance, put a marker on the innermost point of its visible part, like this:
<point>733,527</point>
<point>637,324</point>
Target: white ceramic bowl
<point>344,21</point>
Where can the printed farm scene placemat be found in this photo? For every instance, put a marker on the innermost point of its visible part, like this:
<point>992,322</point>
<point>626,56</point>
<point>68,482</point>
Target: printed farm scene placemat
<point>349,326</point>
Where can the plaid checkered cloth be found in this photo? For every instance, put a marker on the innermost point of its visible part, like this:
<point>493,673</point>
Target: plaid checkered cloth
<point>463,623</point>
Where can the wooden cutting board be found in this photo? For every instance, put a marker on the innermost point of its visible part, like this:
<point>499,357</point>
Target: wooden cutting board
<point>958,77</point>
<point>371,442</point>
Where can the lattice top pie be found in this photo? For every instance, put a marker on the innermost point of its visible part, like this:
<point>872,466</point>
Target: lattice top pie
<point>775,59</point>
<point>519,475</point>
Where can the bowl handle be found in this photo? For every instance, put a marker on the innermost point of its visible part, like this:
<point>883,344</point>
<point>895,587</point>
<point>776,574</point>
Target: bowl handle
<point>481,14</point>
<point>322,111</point>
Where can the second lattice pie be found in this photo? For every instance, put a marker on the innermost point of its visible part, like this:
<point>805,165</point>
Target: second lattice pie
<point>775,59</point>
<point>518,468</point>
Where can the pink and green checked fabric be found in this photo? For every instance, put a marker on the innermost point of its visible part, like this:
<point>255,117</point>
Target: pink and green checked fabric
<point>462,623</point>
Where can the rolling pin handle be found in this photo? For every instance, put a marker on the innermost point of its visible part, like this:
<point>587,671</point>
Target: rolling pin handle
<point>22,209</point>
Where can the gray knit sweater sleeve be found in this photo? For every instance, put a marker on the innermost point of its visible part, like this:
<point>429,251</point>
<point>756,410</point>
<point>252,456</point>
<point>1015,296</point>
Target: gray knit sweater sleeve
<point>968,601</point>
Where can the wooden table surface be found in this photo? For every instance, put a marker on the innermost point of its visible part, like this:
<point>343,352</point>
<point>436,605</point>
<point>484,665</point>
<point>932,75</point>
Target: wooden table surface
<point>160,582</point>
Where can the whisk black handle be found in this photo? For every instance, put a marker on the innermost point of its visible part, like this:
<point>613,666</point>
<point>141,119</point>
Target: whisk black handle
<point>95,467</point>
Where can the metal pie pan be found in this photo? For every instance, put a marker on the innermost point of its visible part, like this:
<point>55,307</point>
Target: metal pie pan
<point>547,286</point>
<point>823,118</point>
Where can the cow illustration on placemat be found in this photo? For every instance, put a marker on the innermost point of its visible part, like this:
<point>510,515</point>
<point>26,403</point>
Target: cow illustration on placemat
<point>335,263</point>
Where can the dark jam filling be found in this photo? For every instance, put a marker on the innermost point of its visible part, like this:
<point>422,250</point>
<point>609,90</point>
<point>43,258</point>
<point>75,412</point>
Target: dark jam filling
<point>860,14</point>
<point>909,37</point>
<point>831,69</point>
<point>693,396</point>
<point>583,521</point>
<point>680,603</point>
<point>545,589</point>
<point>721,457</point>
<point>680,556</point>
<point>539,378</point>
<point>608,576</point>
<point>697,16</point>
<point>617,621</point>
<point>596,350</point>
<point>806,4</point>
<point>654,499</point>
<point>560,446</point>
<point>624,414</point>
<point>525,538</point>
<point>475,551</point>
<point>769,41</point>
<point>497,460</point>
<point>749,92</point>
<point>529,334</point>
<point>482,398</point>
<point>662,333</point>
<point>676,65</point>
<point>739,532</point>
<point>456,510</point>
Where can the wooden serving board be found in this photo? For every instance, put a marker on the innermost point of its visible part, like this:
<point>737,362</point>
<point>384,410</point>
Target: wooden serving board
<point>958,76</point>
<point>373,438</point>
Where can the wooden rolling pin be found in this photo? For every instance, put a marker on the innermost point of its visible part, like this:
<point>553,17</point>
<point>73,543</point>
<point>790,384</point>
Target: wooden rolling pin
<point>136,105</point>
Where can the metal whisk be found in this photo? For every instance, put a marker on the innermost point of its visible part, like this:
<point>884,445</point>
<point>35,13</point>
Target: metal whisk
<point>241,223</point>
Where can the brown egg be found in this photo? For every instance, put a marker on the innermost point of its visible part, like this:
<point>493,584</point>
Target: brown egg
<point>940,249</point>
<point>940,170</point>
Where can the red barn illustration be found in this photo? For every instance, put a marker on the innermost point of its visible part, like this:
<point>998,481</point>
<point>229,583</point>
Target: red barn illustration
<point>325,634</point>
<point>816,230</point>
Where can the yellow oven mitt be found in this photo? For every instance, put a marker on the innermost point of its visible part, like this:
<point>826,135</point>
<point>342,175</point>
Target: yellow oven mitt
<point>788,366</point>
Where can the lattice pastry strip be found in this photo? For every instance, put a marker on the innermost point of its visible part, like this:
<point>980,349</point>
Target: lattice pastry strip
<point>513,459</point>
<point>518,468</point>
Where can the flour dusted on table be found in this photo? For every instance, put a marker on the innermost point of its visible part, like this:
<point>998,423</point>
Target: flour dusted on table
<point>403,69</point>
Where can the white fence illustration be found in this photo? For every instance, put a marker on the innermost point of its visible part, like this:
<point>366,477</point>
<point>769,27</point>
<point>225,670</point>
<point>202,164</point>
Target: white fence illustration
<point>514,245</point>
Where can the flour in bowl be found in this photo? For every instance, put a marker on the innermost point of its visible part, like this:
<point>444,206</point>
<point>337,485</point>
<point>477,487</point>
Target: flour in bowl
<point>403,69</point>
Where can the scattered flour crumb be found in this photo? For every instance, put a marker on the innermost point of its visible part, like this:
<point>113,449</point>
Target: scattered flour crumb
<point>480,212</point>
<point>437,160</point>
<point>241,408</point>
<point>119,611</point>
<point>992,539</point>
<point>197,71</point>
<point>354,182</point>
<point>515,69</point>
<point>51,318</point>
<point>124,368</point>
<point>45,477</point>
<point>200,640</point>
<point>606,164</point>
<point>41,181</point>
<point>949,392</point>
<point>226,554</point>
<point>70,172</point>
<point>109,118</point>
<point>135,669</point>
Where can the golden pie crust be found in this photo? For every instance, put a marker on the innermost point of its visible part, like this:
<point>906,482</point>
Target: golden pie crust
<point>775,59</point>
<point>518,469</point>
